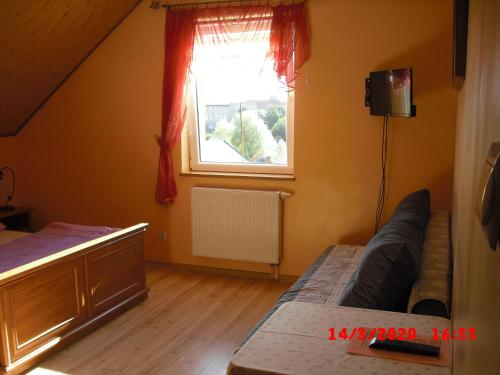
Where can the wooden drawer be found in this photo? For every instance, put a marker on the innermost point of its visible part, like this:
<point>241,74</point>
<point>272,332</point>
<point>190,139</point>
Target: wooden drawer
<point>40,308</point>
<point>115,273</point>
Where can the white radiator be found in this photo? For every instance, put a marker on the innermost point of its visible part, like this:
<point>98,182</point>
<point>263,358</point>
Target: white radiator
<point>236,224</point>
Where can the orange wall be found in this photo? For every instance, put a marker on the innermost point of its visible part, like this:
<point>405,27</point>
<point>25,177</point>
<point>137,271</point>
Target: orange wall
<point>89,156</point>
<point>8,151</point>
<point>8,157</point>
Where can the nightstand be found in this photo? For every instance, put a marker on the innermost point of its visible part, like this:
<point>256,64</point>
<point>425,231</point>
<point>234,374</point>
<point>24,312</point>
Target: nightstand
<point>16,219</point>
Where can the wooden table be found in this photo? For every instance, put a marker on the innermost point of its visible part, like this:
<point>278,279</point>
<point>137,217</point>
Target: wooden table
<point>16,219</point>
<point>295,341</point>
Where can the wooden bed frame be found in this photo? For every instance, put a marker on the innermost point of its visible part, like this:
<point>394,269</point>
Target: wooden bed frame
<point>48,304</point>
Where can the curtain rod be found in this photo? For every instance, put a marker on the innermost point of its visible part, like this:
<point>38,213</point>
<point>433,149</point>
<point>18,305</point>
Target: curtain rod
<point>155,5</point>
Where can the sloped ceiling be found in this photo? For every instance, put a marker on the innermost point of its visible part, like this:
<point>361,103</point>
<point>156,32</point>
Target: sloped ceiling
<point>41,43</point>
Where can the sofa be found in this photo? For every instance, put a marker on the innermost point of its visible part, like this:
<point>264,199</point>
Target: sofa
<point>334,275</point>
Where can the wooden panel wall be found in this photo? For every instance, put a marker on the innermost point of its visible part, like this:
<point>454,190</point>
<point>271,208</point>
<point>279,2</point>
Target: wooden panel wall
<point>41,43</point>
<point>476,284</point>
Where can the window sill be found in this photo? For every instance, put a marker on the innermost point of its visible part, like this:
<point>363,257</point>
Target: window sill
<point>264,176</point>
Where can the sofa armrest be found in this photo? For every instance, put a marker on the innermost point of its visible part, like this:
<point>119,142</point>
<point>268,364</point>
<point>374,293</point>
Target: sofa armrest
<point>431,293</point>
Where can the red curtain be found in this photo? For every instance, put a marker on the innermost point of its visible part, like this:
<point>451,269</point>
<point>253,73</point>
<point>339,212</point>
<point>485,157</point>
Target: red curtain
<point>288,46</point>
<point>180,30</point>
<point>289,40</point>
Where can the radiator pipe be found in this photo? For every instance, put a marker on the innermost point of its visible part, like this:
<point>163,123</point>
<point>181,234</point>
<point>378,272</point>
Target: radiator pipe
<point>284,194</point>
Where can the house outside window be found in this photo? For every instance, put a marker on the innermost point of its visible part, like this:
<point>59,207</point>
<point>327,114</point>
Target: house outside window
<point>241,112</point>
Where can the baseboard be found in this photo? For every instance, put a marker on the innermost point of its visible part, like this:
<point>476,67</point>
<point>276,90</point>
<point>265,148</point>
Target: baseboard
<point>222,271</point>
<point>288,278</point>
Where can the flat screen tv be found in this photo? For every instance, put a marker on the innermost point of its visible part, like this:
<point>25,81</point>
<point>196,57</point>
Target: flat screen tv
<point>390,93</point>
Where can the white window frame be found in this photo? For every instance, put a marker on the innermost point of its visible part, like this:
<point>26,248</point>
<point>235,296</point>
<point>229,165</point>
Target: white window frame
<point>195,165</point>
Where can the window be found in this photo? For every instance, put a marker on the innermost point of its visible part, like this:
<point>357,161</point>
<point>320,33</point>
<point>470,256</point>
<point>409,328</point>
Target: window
<point>241,113</point>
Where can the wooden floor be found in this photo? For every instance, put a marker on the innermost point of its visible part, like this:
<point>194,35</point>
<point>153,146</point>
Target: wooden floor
<point>191,324</point>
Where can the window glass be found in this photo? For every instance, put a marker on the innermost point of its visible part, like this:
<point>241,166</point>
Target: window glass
<point>241,105</point>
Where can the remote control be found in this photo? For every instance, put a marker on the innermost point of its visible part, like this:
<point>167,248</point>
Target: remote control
<point>405,347</point>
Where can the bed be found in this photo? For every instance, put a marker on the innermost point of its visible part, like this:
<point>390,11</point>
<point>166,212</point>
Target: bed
<point>9,235</point>
<point>53,290</point>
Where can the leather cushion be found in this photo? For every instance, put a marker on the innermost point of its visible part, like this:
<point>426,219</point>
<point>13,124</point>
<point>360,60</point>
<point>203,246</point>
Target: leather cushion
<point>391,261</point>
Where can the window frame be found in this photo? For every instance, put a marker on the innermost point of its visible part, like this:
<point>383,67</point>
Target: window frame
<point>195,165</point>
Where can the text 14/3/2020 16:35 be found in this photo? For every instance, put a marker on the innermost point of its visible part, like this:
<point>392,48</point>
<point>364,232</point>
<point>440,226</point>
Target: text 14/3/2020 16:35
<point>402,333</point>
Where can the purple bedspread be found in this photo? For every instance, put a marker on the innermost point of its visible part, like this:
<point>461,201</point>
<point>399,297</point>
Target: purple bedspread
<point>50,240</point>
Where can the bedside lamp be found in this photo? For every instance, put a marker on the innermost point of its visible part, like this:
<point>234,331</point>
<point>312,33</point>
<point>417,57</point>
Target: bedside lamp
<point>6,206</point>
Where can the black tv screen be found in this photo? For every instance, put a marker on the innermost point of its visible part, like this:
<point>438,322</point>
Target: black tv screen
<point>391,93</point>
